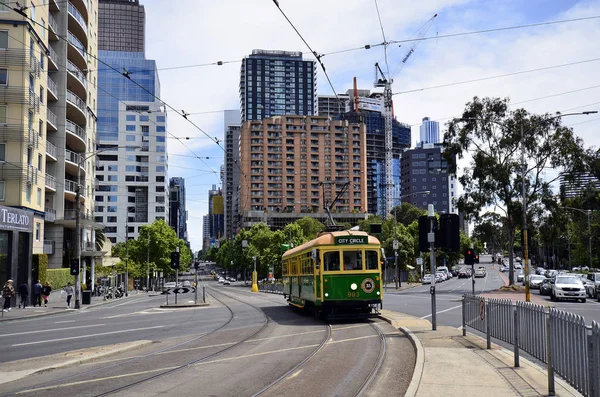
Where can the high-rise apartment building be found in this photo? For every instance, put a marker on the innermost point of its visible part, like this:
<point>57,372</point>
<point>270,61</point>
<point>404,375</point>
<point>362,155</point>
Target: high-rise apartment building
<point>178,211</point>
<point>293,164</point>
<point>332,106</point>
<point>274,83</point>
<point>216,213</point>
<point>132,170</point>
<point>430,131</point>
<point>576,185</point>
<point>121,25</point>
<point>231,180</point>
<point>424,168</point>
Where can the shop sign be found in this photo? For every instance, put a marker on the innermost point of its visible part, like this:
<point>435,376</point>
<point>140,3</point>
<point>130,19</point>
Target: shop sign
<point>16,219</point>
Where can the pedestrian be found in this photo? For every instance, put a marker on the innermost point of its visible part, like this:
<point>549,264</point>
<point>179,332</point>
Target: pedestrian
<point>23,293</point>
<point>46,289</point>
<point>69,291</point>
<point>8,291</point>
<point>37,294</point>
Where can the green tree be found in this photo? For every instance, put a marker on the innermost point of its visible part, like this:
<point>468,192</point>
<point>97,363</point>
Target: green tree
<point>490,229</point>
<point>310,227</point>
<point>406,213</point>
<point>494,137</point>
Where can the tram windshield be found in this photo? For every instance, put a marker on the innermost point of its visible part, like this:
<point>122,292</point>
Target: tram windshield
<point>352,260</point>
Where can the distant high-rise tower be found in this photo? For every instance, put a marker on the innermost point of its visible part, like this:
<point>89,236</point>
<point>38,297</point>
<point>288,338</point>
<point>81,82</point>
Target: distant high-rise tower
<point>430,131</point>
<point>275,83</point>
<point>231,182</point>
<point>178,211</point>
<point>121,25</point>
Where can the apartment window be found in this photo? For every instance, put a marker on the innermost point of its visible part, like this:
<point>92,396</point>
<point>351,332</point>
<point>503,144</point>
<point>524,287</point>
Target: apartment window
<point>112,208</point>
<point>38,231</point>
<point>160,209</point>
<point>160,128</point>
<point>113,178</point>
<point>145,129</point>
<point>160,168</point>
<point>130,168</point>
<point>112,199</point>
<point>100,199</point>
<point>130,138</point>
<point>5,8</point>
<point>2,190</point>
<point>111,219</point>
<point>40,159</point>
<point>114,168</point>
<point>130,128</point>
<point>144,118</point>
<point>160,149</point>
<point>3,76</point>
<point>41,128</point>
<point>130,117</point>
<point>160,199</point>
<point>28,194</point>
<point>3,111</point>
<point>160,119</point>
<point>43,23</point>
<point>160,189</point>
<point>160,179</point>
<point>4,40</point>
<point>99,208</point>
<point>160,139</point>
<point>2,152</point>
<point>29,155</point>
<point>41,94</point>
<point>39,196</point>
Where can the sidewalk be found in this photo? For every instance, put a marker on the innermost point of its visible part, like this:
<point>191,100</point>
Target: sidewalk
<point>58,305</point>
<point>449,364</point>
<point>391,287</point>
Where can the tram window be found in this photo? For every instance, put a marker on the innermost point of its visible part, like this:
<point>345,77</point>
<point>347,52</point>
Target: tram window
<point>352,260</point>
<point>332,261</point>
<point>371,260</point>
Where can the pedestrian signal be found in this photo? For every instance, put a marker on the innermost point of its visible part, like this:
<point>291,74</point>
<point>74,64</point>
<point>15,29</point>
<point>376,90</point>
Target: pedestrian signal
<point>74,267</point>
<point>175,260</point>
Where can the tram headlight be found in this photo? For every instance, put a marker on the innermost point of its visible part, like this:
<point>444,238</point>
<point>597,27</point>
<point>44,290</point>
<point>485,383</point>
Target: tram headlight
<point>353,286</point>
<point>326,294</point>
<point>378,293</point>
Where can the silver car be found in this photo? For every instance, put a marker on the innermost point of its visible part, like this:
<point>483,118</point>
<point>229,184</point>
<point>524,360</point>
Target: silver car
<point>535,280</point>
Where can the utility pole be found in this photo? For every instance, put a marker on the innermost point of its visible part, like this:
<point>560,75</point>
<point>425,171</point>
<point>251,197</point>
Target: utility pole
<point>78,234</point>
<point>431,240</point>
<point>525,242</point>
<point>148,264</point>
<point>127,253</point>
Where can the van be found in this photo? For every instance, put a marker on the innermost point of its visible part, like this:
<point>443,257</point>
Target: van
<point>445,270</point>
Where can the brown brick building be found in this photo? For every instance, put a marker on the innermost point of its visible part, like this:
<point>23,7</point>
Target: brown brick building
<point>290,162</point>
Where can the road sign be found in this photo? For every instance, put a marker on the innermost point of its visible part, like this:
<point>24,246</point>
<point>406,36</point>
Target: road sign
<point>180,290</point>
<point>419,261</point>
<point>395,244</point>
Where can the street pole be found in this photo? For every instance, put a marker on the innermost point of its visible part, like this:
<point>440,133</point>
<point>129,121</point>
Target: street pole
<point>254,277</point>
<point>148,264</point>
<point>569,242</point>
<point>78,234</point>
<point>396,244</point>
<point>176,278</point>
<point>127,253</point>
<point>431,240</point>
<point>590,237</point>
<point>525,242</point>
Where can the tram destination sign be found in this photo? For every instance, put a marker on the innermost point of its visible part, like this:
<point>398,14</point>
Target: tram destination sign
<point>351,240</point>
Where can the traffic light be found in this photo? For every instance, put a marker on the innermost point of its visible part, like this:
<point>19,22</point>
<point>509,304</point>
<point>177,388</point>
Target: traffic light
<point>476,258</point>
<point>424,229</point>
<point>375,228</point>
<point>196,265</point>
<point>469,257</point>
<point>74,267</point>
<point>448,236</point>
<point>175,260</point>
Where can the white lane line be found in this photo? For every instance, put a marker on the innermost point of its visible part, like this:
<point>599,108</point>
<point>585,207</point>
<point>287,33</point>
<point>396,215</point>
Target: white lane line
<point>292,376</point>
<point>66,321</point>
<point>442,311</point>
<point>85,336</point>
<point>52,330</point>
<point>127,302</point>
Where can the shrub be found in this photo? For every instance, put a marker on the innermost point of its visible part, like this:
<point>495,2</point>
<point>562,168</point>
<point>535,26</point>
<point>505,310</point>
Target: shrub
<point>58,278</point>
<point>41,261</point>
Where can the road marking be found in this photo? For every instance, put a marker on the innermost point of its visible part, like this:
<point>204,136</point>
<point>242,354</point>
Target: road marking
<point>66,321</point>
<point>292,376</point>
<point>52,330</point>
<point>126,303</point>
<point>349,327</point>
<point>352,339</point>
<point>85,336</point>
<point>442,311</point>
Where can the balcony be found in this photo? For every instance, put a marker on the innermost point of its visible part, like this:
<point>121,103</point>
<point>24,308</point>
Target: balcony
<point>33,138</point>
<point>76,136</point>
<point>48,247</point>
<point>77,24</point>
<point>52,89</point>
<point>52,59</point>
<point>51,151</point>
<point>76,80</point>
<point>49,214</point>
<point>51,120</point>
<point>76,51</point>
<point>70,188</point>
<point>80,5</point>
<point>50,183</point>
<point>75,108</point>
<point>53,28</point>
<point>86,217</point>
<point>71,161</point>
<point>54,5</point>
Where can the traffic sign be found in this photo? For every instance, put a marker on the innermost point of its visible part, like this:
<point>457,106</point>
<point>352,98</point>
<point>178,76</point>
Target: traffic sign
<point>395,244</point>
<point>482,309</point>
<point>180,290</point>
<point>419,261</point>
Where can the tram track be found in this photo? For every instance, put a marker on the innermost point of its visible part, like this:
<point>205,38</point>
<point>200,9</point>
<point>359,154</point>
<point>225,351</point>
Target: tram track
<point>375,370</point>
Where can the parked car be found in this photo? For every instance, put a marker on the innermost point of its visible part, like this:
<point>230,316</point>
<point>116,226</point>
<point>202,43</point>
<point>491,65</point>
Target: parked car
<point>535,281</point>
<point>551,273</point>
<point>520,277</point>
<point>568,287</point>
<point>546,287</point>
<point>427,279</point>
<point>440,277</point>
<point>444,269</point>
<point>591,284</point>
<point>455,270</point>
<point>517,266</point>
<point>226,282</point>
<point>469,271</point>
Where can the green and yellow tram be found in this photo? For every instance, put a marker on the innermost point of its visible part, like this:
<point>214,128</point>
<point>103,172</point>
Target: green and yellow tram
<point>338,274</point>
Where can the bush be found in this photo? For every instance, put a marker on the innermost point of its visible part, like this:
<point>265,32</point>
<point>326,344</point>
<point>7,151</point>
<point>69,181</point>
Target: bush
<point>41,261</point>
<point>58,278</point>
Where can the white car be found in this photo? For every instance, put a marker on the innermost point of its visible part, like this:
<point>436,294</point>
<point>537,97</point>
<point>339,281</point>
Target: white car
<point>520,277</point>
<point>568,287</point>
<point>427,279</point>
<point>517,266</point>
<point>441,276</point>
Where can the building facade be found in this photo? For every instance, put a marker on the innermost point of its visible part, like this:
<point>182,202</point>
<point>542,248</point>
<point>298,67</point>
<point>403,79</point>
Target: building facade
<point>293,164</point>
<point>425,169</point>
<point>216,213</point>
<point>274,83</point>
<point>332,106</point>
<point>133,188</point>
<point>178,212</point>
<point>231,180</point>
<point>576,185</point>
<point>430,131</point>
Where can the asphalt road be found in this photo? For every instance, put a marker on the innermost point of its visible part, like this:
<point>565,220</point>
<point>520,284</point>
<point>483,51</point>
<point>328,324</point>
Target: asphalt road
<point>417,301</point>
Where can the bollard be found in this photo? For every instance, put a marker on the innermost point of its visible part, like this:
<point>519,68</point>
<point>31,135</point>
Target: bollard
<point>204,293</point>
<point>551,391</point>
<point>516,338</point>
<point>487,325</point>
<point>167,295</point>
<point>464,320</point>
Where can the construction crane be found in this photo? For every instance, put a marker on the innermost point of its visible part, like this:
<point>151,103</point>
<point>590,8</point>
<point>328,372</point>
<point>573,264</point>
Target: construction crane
<point>388,113</point>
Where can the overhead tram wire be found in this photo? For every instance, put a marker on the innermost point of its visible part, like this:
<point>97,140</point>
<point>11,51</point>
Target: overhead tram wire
<point>126,75</point>
<point>314,53</point>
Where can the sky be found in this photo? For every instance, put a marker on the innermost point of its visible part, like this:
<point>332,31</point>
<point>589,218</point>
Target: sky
<point>181,33</point>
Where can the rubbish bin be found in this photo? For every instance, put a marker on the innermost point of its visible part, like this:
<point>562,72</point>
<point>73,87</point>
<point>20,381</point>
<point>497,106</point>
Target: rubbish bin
<point>86,297</point>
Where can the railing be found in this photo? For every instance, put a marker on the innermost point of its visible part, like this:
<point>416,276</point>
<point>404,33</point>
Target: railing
<point>49,214</point>
<point>78,17</point>
<point>33,138</point>
<point>51,117</point>
<point>559,339</point>
<point>51,181</point>
<point>53,25</point>
<point>75,129</point>
<point>77,44</point>
<point>53,55</point>
<point>71,215</point>
<point>72,156</point>
<point>32,174</point>
<point>49,247</point>
<point>80,103</point>
<point>72,68</point>
<point>52,87</point>
<point>271,288</point>
<point>70,186</point>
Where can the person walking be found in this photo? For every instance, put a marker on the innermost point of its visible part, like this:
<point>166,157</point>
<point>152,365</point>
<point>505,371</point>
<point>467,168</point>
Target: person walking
<point>46,289</point>
<point>37,294</point>
<point>69,291</point>
<point>23,293</point>
<point>8,291</point>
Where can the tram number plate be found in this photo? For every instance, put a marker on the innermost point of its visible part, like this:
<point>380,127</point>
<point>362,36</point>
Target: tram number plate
<point>353,294</point>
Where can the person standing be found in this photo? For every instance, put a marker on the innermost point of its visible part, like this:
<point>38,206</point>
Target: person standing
<point>46,289</point>
<point>37,294</point>
<point>23,293</point>
<point>8,291</point>
<point>69,291</point>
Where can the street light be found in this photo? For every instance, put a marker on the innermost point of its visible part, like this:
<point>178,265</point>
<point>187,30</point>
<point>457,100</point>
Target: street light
<point>81,162</point>
<point>588,212</point>
<point>523,174</point>
<point>395,242</point>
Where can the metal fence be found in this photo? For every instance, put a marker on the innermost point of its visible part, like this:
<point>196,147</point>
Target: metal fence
<point>555,337</point>
<point>271,288</point>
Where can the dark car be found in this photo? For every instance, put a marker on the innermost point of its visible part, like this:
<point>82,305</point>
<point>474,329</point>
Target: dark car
<point>546,287</point>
